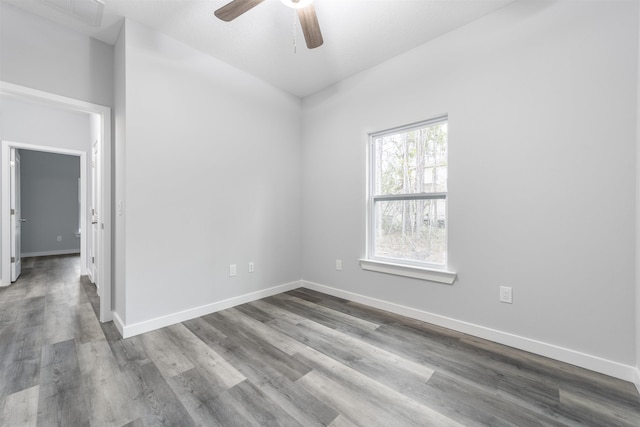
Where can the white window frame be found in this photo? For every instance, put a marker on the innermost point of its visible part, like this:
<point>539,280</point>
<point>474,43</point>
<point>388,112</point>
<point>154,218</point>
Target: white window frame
<point>402,267</point>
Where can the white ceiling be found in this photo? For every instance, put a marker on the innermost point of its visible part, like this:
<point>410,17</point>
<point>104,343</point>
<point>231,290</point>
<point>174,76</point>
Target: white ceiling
<point>358,34</point>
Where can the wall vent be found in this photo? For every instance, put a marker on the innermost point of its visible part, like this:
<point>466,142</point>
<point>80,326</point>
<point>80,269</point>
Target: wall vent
<point>87,11</point>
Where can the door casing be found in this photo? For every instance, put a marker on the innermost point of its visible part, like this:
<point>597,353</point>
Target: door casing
<point>104,233</point>
<point>6,149</point>
<point>92,260</point>
<point>15,215</point>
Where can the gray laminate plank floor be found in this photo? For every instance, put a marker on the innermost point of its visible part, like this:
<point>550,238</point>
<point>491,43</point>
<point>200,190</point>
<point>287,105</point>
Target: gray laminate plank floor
<point>296,359</point>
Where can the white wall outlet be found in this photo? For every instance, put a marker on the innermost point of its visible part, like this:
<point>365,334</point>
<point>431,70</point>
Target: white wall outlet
<point>252,267</point>
<point>506,294</point>
<point>59,238</point>
<point>233,270</point>
<point>339,264</point>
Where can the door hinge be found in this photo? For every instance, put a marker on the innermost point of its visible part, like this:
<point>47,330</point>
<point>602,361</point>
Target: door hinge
<point>13,211</point>
<point>13,260</point>
<point>93,260</point>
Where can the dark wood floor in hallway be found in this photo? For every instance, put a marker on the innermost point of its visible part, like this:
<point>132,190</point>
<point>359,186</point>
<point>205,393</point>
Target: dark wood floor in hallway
<point>296,359</point>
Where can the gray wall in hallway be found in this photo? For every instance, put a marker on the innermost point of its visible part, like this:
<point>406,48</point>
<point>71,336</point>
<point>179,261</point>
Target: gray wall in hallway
<point>49,202</point>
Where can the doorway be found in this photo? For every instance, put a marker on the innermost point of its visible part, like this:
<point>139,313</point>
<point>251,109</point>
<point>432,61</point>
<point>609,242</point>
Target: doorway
<point>46,205</point>
<point>101,117</point>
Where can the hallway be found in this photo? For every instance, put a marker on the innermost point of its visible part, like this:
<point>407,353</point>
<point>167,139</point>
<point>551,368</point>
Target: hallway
<point>43,317</point>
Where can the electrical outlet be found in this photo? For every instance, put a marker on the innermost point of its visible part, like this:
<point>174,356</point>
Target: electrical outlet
<point>59,238</point>
<point>252,267</point>
<point>339,264</point>
<point>506,294</point>
<point>233,270</point>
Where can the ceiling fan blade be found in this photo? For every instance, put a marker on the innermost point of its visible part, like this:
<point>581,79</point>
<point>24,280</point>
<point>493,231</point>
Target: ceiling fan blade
<point>310,26</point>
<point>232,10</point>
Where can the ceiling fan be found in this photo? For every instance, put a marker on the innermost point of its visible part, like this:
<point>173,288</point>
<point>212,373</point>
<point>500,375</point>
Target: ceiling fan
<point>305,9</point>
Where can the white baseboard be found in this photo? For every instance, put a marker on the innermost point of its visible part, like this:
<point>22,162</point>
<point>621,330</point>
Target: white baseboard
<point>49,253</point>
<point>160,322</point>
<point>583,360</point>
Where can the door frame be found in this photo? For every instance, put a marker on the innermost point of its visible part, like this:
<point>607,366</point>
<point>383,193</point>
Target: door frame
<point>6,188</point>
<point>104,235</point>
<point>15,217</point>
<point>92,203</point>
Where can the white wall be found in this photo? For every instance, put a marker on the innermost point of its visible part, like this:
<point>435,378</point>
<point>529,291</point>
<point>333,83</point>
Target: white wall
<point>541,98</point>
<point>32,123</point>
<point>637,212</point>
<point>118,173</point>
<point>40,54</point>
<point>212,167</point>
<point>50,203</point>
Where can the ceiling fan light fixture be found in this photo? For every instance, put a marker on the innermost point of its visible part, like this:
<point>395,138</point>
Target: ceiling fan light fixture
<point>296,4</point>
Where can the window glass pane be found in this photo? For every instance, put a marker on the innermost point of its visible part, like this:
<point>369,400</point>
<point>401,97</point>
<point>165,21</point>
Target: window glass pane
<point>413,161</point>
<point>413,230</point>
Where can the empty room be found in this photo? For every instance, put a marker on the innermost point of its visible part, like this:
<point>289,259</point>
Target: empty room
<point>319,212</point>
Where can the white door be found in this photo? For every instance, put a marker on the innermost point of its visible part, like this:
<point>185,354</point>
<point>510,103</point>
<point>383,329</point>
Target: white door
<point>93,260</point>
<point>16,216</point>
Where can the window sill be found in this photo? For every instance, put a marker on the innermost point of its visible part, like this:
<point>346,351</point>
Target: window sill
<point>422,273</point>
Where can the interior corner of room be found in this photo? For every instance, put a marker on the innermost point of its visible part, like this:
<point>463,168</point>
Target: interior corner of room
<point>205,166</point>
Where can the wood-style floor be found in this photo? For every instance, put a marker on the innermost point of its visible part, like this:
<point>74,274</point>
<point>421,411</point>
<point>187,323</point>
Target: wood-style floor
<point>296,359</point>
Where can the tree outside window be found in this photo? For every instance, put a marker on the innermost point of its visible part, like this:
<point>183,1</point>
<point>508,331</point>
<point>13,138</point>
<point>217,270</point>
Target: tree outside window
<point>408,194</point>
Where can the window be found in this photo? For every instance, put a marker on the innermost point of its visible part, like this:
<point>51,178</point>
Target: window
<point>407,223</point>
